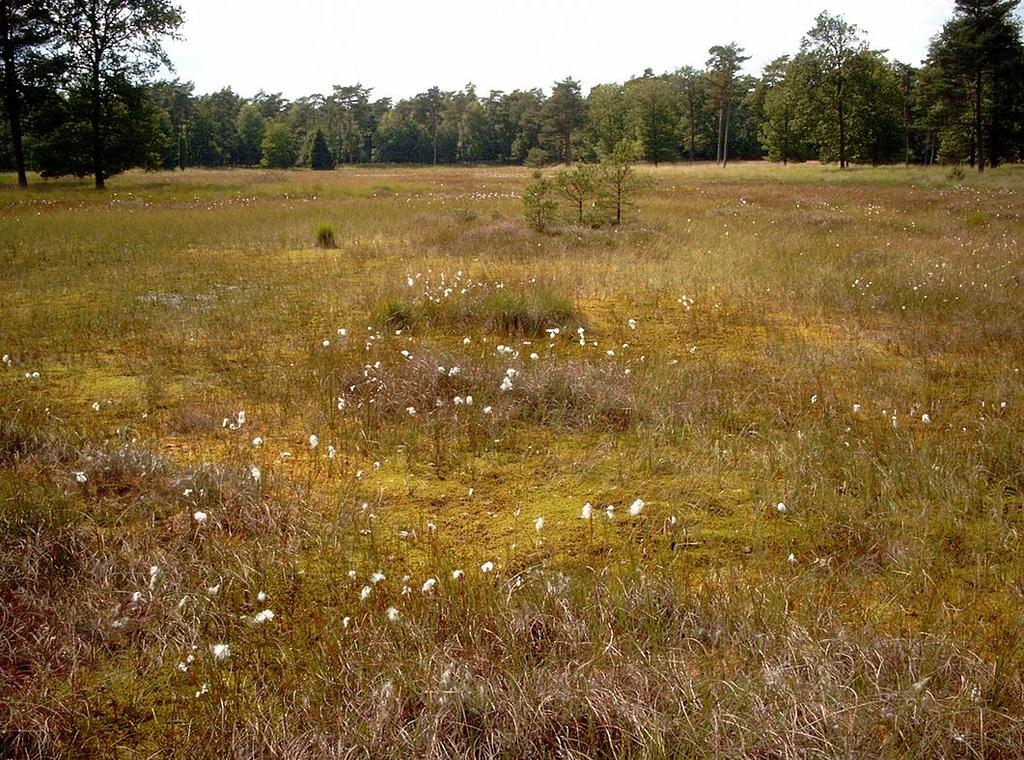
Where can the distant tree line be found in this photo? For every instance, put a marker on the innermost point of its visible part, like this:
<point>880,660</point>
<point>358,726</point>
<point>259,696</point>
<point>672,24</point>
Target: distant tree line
<point>79,99</point>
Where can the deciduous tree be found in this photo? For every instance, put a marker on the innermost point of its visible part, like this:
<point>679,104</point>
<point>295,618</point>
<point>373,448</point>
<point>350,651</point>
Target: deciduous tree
<point>109,44</point>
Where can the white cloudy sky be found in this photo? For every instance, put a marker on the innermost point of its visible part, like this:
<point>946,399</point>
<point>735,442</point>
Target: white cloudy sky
<point>401,47</point>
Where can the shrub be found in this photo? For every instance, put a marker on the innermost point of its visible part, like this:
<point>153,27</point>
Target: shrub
<point>538,206</point>
<point>325,236</point>
<point>536,157</point>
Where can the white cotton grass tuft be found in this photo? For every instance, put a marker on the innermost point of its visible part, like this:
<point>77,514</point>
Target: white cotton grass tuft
<point>487,567</point>
<point>220,651</point>
<point>588,511</point>
<point>255,473</point>
<point>926,419</point>
<point>314,441</point>
<point>365,593</point>
<point>263,617</point>
<point>636,507</point>
<point>538,524</point>
<point>200,517</point>
<point>781,508</point>
<point>393,614</point>
<point>81,477</point>
<point>377,577</point>
<point>457,574</point>
<point>428,585</point>
<point>212,591</point>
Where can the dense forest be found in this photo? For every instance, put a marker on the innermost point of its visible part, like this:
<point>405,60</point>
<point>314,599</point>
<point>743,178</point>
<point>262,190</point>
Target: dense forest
<point>81,98</point>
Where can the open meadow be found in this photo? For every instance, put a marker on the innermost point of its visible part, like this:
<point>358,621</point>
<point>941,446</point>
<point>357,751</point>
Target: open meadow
<point>263,498</point>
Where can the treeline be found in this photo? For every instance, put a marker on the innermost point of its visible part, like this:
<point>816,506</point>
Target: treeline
<point>79,100</point>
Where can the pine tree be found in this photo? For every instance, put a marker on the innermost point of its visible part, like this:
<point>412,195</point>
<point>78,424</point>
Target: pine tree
<point>320,158</point>
<point>25,25</point>
<point>977,61</point>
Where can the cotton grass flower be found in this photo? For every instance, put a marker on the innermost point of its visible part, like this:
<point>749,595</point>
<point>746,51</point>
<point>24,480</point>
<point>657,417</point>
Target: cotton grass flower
<point>377,577</point>
<point>587,512</point>
<point>428,585</point>
<point>780,508</point>
<point>636,507</point>
<point>255,472</point>
<point>393,614</point>
<point>538,524</point>
<point>487,567</point>
<point>263,617</point>
<point>313,441</point>
<point>212,591</point>
<point>926,419</point>
<point>220,651</point>
<point>457,574</point>
<point>365,593</point>
<point>81,477</point>
<point>200,517</point>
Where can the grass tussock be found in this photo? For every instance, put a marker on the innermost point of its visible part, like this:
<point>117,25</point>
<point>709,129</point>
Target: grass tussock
<point>527,310</point>
<point>325,236</point>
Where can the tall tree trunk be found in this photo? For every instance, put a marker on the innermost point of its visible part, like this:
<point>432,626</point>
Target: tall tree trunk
<point>693,124</point>
<point>978,139</point>
<point>725,140</point>
<point>785,138</point>
<point>906,118</point>
<point>842,124</point>
<point>12,98</point>
<point>718,148</point>
<point>96,117</point>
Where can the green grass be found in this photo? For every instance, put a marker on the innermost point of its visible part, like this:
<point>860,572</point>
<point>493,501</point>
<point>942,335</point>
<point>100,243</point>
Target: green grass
<point>751,336</point>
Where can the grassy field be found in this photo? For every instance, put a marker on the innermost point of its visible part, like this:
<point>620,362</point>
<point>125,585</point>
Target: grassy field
<point>792,397</point>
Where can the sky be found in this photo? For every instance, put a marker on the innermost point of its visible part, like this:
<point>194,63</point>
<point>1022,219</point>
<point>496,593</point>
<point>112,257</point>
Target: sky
<point>403,47</point>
